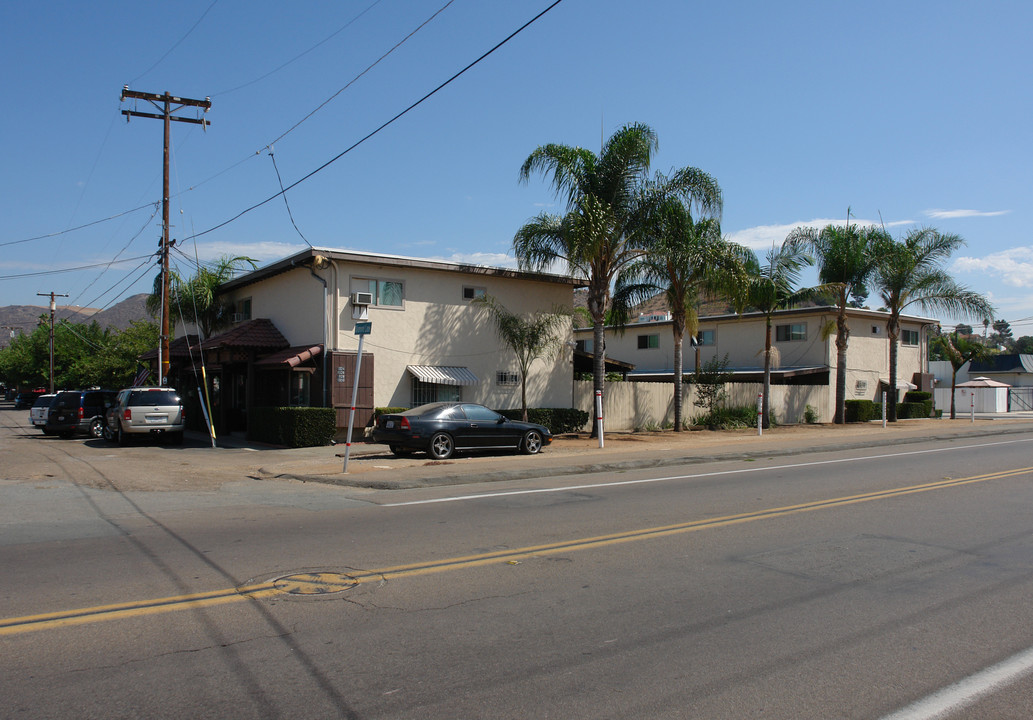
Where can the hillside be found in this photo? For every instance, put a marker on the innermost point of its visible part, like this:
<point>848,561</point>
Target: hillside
<point>23,318</point>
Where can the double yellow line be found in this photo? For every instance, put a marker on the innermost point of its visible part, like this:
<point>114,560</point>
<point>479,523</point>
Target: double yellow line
<point>81,616</point>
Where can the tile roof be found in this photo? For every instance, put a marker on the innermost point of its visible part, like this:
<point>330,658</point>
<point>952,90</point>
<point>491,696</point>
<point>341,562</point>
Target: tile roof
<point>259,333</point>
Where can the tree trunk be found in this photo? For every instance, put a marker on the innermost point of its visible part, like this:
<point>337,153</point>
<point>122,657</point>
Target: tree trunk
<point>954,387</point>
<point>765,420</point>
<point>677,379</point>
<point>598,368</point>
<point>893,331</point>
<point>842,339</point>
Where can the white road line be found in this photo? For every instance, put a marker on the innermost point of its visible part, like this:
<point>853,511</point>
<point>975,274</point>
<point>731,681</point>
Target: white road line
<point>965,692</point>
<point>738,471</point>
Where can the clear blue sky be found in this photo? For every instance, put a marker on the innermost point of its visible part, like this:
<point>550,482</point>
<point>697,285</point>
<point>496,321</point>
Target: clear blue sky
<point>913,113</point>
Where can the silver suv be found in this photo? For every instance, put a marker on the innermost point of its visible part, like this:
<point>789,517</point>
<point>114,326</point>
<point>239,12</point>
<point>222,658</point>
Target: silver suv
<point>155,411</point>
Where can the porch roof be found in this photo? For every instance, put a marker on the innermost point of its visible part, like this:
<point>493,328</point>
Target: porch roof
<point>290,357</point>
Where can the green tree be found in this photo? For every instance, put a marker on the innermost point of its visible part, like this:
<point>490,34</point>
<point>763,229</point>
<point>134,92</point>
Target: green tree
<point>606,206</point>
<point>529,336</point>
<point>194,300</point>
<point>909,272</point>
<point>846,260</point>
<point>772,287</point>
<point>1024,345</point>
<point>686,259</point>
<point>1002,336</point>
<point>959,350</point>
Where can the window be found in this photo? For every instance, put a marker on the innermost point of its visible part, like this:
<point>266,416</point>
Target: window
<point>909,337</point>
<point>791,333</point>
<point>386,293</point>
<point>646,342</point>
<point>300,389</point>
<point>506,378</point>
<point>705,337</point>
<point>425,392</point>
<point>585,346</point>
<point>470,292</point>
<point>242,310</point>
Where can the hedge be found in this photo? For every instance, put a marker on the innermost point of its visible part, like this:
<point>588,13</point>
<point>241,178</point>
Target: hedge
<point>292,426</point>
<point>862,410</point>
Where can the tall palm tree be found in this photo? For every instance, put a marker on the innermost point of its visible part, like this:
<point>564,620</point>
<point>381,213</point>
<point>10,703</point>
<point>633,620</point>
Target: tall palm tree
<point>193,300</point>
<point>960,350</point>
<point>600,233</point>
<point>846,260</point>
<point>909,272</point>
<point>686,259</point>
<point>773,287</point>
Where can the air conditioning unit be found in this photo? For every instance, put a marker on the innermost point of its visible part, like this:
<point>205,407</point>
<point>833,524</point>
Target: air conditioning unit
<point>362,298</point>
<point>238,317</point>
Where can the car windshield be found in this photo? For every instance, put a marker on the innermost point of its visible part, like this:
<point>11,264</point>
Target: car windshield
<point>153,397</point>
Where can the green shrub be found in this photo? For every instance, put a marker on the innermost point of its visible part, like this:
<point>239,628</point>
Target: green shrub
<point>917,396</point>
<point>810,415</point>
<point>558,420</point>
<point>292,426</point>
<point>862,410</point>
<point>730,418</point>
<point>907,410</point>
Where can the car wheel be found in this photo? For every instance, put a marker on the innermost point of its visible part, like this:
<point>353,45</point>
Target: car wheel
<point>96,428</point>
<point>123,439</point>
<point>106,433</point>
<point>441,446</point>
<point>531,443</point>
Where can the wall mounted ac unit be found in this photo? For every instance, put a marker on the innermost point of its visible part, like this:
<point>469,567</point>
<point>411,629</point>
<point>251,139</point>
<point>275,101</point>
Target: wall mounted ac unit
<point>362,298</point>
<point>237,317</point>
<point>360,312</point>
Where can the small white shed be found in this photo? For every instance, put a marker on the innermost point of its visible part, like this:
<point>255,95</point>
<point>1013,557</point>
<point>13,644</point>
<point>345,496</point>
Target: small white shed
<point>988,396</point>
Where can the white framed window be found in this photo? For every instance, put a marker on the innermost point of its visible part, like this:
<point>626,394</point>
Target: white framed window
<point>505,378</point>
<point>647,342</point>
<point>585,346</point>
<point>386,293</point>
<point>909,337</point>
<point>791,333</point>
<point>706,337</point>
<point>471,292</point>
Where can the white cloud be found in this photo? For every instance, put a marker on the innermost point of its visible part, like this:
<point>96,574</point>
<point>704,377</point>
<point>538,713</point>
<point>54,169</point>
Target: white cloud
<point>1013,266</point>
<point>762,237</point>
<point>951,214</point>
<point>481,258</point>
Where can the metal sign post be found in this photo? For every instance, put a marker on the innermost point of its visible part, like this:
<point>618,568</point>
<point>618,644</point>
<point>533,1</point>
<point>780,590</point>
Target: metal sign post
<point>362,329</point>
<point>599,415</point>
<point>760,414</point>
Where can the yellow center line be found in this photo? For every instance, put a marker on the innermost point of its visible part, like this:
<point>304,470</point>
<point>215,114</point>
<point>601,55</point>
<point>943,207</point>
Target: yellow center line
<point>80,616</point>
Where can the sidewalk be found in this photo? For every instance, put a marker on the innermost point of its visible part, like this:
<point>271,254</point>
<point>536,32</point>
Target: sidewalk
<point>373,466</point>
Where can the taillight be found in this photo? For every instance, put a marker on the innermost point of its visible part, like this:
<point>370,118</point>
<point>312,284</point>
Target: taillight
<point>127,414</point>
<point>404,425</point>
<point>80,413</point>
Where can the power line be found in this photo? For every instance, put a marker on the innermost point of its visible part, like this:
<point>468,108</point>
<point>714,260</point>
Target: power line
<point>289,213</point>
<point>177,43</point>
<point>81,227</point>
<point>72,269</point>
<point>404,112</point>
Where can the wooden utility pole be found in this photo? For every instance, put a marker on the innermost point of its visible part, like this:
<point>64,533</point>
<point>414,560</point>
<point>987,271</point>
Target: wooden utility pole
<point>164,103</point>
<point>53,307</point>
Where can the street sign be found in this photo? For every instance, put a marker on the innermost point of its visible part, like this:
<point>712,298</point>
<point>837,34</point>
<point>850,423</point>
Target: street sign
<point>363,328</point>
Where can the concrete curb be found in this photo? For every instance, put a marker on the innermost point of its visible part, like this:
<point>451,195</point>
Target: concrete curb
<point>414,479</point>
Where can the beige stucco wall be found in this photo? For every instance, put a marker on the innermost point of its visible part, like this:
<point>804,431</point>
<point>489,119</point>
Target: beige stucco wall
<point>434,326</point>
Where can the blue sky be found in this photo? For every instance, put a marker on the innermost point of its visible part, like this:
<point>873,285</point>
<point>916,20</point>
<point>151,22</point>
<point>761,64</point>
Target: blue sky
<point>910,114</point>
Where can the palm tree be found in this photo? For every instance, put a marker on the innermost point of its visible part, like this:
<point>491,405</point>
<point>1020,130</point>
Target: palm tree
<point>194,299</point>
<point>529,336</point>
<point>846,260</point>
<point>773,287</point>
<point>960,350</point>
<point>600,233</point>
<point>686,259</point>
<point>909,273</point>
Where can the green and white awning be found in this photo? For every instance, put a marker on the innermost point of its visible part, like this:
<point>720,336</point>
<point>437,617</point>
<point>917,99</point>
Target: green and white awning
<point>443,375</point>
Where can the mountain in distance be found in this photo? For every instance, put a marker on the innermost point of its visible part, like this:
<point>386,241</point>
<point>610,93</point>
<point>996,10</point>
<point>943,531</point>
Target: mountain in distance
<point>23,318</point>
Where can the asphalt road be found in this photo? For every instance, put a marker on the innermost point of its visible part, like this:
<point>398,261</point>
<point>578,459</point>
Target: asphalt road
<point>852,584</point>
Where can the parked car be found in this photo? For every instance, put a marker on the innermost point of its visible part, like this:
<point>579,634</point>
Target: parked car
<point>441,428</point>
<point>38,412</point>
<point>26,399</point>
<point>78,411</point>
<point>145,411</point>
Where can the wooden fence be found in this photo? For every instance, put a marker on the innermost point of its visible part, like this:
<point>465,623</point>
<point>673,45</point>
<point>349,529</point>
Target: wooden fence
<point>643,405</point>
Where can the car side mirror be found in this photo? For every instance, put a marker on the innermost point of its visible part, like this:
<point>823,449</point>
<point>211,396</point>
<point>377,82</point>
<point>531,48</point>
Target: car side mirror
<point>502,419</point>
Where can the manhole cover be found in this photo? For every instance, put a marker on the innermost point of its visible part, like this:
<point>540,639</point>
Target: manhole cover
<point>324,583</point>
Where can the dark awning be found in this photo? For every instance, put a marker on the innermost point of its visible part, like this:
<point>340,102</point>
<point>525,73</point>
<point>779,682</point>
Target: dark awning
<point>443,375</point>
<point>290,357</point>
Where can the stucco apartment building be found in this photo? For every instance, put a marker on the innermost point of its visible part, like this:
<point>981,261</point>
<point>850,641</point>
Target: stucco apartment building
<point>805,355</point>
<point>293,339</point>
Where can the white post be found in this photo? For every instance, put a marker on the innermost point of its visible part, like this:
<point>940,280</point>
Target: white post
<point>760,414</point>
<point>351,413</point>
<point>884,409</point>
<point>599,414</point>
<point>972,405</point>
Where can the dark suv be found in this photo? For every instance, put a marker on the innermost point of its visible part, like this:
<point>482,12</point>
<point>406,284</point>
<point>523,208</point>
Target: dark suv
<point>78,411</point>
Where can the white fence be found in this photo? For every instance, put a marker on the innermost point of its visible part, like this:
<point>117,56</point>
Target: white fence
<point>641,405</point>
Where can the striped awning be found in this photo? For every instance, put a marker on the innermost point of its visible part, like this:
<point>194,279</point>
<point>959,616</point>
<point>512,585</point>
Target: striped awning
<point>443,375</point>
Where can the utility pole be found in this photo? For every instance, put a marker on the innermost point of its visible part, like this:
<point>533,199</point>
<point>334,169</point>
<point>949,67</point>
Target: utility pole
<point>164,103</point>
<point>53,307</point>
